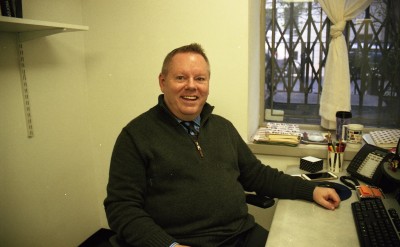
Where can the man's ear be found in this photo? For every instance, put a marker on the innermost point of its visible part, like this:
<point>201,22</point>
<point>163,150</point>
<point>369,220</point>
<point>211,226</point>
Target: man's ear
<point>161,81</point>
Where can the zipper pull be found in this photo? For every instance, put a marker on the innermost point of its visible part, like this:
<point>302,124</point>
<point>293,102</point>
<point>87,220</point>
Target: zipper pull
<point>199,148</point>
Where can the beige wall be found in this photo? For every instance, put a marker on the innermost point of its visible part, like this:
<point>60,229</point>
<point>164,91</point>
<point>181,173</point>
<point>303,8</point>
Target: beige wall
<point>47,194</point>
<point>85,86</point>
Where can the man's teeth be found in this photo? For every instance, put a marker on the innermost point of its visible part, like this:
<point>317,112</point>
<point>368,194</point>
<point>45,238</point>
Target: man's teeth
<point>190,97</point>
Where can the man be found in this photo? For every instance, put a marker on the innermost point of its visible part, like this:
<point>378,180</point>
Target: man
<point>173,184</point>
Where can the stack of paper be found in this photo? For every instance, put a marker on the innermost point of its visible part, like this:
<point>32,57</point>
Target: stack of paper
<point>278,133</point>
<point>385,138</point>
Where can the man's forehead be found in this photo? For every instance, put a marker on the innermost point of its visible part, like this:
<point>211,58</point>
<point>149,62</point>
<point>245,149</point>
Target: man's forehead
<point>192,59</point>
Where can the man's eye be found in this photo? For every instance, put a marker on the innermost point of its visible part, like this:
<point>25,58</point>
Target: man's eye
<point>180,78</point>
<point>200,79</point>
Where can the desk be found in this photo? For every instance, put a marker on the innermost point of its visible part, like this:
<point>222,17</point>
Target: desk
<point>303,223</point>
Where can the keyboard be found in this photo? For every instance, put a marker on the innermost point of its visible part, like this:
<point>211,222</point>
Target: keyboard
<point>377,223</point>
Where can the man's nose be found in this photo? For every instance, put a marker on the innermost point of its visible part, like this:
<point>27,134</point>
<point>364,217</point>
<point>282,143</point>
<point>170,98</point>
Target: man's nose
<point>191,83</point>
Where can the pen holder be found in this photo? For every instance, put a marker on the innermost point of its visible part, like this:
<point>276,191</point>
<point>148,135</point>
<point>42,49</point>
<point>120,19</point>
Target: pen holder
<point>335,161</point>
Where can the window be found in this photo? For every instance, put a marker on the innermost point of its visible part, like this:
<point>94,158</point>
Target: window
<point>296,46</point>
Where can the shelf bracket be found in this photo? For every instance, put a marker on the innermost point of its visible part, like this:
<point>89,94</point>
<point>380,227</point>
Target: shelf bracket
<point>24,88</point>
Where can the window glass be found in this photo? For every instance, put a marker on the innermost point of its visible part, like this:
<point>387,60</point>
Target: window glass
<point>296,46</point>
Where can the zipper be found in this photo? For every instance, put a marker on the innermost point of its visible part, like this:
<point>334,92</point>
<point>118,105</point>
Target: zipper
<point>191,129</point>
<point>198,148</point>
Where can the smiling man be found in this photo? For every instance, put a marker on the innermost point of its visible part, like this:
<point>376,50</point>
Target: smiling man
<point>179,173</point>
<point>184,80</point>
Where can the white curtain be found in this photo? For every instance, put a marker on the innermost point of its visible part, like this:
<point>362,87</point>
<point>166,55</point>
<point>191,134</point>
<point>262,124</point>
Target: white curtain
<point>336,86</point>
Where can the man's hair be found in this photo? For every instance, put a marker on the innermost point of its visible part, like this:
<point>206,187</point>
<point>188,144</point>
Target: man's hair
<point>192,48</point>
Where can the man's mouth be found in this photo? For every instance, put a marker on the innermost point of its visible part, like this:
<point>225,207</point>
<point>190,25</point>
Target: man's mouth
<point>190,97</point>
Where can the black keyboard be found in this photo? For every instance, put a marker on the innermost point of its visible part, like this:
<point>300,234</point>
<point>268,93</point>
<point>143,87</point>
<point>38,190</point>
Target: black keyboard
<point>374,223</point>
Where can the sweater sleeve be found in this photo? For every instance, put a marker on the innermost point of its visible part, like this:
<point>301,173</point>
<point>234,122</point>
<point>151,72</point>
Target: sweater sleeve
<point>125,198</point>
<point>268,181</point>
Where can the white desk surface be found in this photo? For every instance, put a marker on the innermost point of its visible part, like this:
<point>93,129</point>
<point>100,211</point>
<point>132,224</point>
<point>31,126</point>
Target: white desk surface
<point>303,223</point>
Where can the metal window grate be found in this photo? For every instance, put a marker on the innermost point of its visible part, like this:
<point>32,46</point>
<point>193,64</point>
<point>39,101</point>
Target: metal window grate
<point>296,46</point>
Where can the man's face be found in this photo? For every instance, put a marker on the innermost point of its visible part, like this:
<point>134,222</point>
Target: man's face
<point>186,85</point>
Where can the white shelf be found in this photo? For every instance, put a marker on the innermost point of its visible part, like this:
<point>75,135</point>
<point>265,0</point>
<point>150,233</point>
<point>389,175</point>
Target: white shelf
<point>30,29</point>
<point>26,29</point>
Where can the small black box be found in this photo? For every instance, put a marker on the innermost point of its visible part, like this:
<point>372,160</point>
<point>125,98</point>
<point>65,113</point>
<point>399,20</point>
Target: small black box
<point>311,164</point>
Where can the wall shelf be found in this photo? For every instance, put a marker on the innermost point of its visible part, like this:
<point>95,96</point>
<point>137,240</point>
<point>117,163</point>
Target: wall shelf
<point>25,30</point>
<point>30,29</point>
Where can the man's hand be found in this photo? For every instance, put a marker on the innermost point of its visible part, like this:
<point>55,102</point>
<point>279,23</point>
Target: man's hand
<point>326,197</point>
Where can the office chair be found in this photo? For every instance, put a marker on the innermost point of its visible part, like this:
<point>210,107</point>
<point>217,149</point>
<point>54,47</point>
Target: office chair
<point>104,237</point>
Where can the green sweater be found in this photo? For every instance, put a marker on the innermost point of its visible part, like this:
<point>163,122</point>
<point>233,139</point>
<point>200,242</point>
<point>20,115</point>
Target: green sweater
<point>161,190</point>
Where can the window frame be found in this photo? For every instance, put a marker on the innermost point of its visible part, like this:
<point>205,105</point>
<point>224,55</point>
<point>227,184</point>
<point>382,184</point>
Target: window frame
<point>263,109</point>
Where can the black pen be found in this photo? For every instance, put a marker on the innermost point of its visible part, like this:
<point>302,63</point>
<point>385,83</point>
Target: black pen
<point>334,161</point>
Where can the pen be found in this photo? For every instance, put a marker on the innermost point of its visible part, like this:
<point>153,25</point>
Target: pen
<point>329,142</point>
<point>334,161</point>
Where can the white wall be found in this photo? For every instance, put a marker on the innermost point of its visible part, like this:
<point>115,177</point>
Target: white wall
<point>85,86</point>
